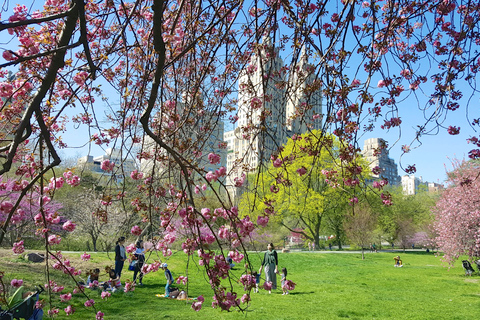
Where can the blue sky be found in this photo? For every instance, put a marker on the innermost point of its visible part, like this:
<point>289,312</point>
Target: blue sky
<point>432,159</point>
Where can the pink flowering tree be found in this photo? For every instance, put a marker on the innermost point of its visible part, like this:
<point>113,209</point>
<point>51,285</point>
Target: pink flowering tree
<point>457,215</point>
<point>167,74</point>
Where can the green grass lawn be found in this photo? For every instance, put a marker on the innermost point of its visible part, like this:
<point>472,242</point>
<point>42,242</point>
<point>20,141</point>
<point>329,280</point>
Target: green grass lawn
<point>329,286</point>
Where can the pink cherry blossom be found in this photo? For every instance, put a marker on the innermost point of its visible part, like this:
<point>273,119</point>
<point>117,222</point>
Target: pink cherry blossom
<point>99,315</point>
<point>69,226</point>
<point>214,158</point>
<point>18,247</point>
<point>107,165</point>
<point>16,283</point>
<point>65,297</point>
<point>301,171</point>
<point>245,298</point>
<point>262,221</point>
<point>69,310</point>
<point>135,175</point>
<point>85,256</point>
<point>267,285</point>
<point>89,303</point>
<point>136,230</point>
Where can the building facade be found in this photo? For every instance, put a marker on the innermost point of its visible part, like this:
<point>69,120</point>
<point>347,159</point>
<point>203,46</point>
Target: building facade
<point>376,154</point>
<point>412,184</point>
<point>273,105</point>
<point>114,155</point>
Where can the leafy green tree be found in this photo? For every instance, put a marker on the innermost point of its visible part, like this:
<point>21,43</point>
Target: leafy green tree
<point>409,214</point>
<point>298,189</point>
<point>360,227</point>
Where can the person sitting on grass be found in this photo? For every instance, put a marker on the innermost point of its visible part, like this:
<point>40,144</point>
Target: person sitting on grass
<point>168,276</point>
<point>92,280</point>
<point>398,261</point>
<point>114,283</point>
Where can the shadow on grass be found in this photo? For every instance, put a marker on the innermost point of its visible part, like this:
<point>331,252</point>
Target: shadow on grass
<point>296,292</point>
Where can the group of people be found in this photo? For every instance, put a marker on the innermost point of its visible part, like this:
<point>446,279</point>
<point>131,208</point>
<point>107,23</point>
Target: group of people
<point>114,283</point>
<point>311,246</point>
<point>270,266</point>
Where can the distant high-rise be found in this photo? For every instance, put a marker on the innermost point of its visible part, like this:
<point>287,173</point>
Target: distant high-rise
<point>411,184</point>
<point>201,136</point>
<point>272,106</point>
<point>376,154</point>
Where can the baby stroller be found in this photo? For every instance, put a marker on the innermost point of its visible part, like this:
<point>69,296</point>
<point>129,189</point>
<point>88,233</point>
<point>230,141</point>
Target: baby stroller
<point>25,308</point>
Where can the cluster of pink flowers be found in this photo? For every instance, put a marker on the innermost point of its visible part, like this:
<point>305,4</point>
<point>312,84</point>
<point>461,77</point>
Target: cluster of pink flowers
<point>225,301</point>
<point>289,285</point>
<point>69,226</point>
<point>379,184</point>
<point>277,163</point>
<point>411,169</point>
<point>85,256</point>
<point>213,176</point>
<point>214,158</point>
<point>53,312</point>
<point>248,281</point>
<point>54,239</point>
<point>267,285</point>
<point>236,256</point>
<point>262,221</point>
<point>182,279</point>
<point>136,175</point>
<point>105,295</point>
<point>301,171</point>
<point>453,130</point>
<point>107,165</point>
<point>65,297</point>
<point>71,179</point>
<point>69,310</point>
<point>198,304</point>
<point>136,230</point>
<point>18,247</point>
<point>153,267</point>
<point>129,286</point>
<point>54,287</point>
<point>198,188</point>
<point>393,122</point>
<point>130,248</point>
<point>239,181</point>
<point>16,283</point>
<point>89,303</point>
<point>245,298</point>
<point>99,315</point>
<point>205,257</point>
<point>386,198</point>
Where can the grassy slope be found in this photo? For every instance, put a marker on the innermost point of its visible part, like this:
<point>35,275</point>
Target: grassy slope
<point>329,286</point>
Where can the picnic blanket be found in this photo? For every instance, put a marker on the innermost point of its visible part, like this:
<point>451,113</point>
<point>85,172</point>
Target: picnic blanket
<point>163,296</point>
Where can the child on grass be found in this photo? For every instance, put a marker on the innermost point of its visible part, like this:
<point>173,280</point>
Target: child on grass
<point>284,279</point>
<point>257,280</point>
<point>114,283</point>
<point>92,280</point>
<point>168,276</point>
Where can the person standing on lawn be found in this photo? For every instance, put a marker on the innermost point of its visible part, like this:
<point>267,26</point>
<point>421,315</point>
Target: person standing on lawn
<point>120,256</point>
<point>168,276</point>
<point>140,257</point>
<point>270,262</point>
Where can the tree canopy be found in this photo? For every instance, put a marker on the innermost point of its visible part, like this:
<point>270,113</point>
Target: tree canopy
<point>457,213</point>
